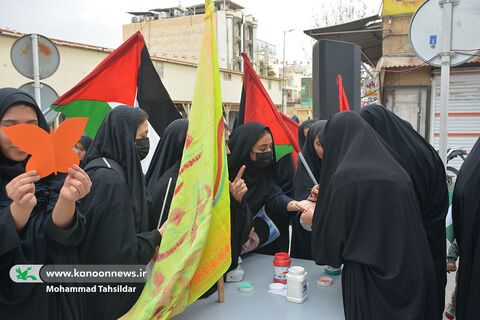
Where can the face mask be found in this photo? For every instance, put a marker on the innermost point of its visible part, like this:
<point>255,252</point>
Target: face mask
<point>143,146</point>
<point>264,159</point>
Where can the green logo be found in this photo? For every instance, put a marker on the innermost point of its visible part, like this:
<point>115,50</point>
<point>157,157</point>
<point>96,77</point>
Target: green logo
<point>23,275</point>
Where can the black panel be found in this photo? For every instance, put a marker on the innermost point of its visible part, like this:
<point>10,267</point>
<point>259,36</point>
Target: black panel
<point>331,58</point>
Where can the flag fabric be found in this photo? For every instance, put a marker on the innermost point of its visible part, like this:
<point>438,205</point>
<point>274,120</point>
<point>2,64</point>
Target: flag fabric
<point>292,126</point>
<point>342,97</point>
<point>195,248</point>
<point>126,77</point>
<point>449,220</point>
<point>257,106</point>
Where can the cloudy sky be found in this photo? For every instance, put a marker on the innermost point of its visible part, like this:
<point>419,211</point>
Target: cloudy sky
<point>99,22</point>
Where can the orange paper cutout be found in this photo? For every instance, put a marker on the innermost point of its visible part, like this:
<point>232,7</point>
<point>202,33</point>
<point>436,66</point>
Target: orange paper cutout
<point>51,152</point>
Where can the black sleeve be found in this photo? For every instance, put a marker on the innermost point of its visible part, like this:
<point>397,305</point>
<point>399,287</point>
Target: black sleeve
<point>8,233</point>
<point>72,236</point>
<point>111,236</point>
<point>277,201</point>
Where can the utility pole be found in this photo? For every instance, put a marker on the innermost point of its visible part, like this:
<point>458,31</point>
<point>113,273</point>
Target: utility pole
<point>284,93</point>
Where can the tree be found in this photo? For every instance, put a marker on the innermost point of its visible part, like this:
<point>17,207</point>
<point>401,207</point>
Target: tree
<point>266,69</point>
<point>342,12</point>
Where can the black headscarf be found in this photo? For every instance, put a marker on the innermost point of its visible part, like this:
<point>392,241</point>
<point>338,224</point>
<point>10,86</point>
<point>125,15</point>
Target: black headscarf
<point>367,217</point>
<point>8,97</point>
<point>427,172</point>
<point>165,165</point>
<point>301,137</point>
<point>466,223</point>
<point>9,169</point>
<point>258,180</point>
<point>115,140</point>
<point>169,151</point>
<point>86,141</point>
<point>302,183</point>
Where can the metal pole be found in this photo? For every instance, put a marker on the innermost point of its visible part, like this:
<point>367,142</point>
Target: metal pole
<point>305,164</point>
<point>284,105</point>
<point>36,69</point>
<point>445,78</point>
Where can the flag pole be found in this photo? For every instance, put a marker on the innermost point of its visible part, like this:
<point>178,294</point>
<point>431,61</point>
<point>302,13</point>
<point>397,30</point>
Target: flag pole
<point>304,162</point>
<point>221,290</point>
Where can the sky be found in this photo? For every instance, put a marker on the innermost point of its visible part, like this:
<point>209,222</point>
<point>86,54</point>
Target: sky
<point>99,22</point>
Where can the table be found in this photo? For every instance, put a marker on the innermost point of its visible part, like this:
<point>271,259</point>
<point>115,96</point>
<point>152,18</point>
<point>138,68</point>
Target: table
<point>322,303</point>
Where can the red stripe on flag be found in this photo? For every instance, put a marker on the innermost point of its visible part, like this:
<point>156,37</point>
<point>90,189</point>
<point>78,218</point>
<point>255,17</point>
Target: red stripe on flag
<point>254,88</point>
<point>120,68</point>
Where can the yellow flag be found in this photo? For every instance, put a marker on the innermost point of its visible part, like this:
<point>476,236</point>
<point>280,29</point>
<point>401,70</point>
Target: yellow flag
<point>195,248</point>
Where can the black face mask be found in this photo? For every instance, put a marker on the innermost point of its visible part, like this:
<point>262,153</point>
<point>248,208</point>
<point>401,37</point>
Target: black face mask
<point>143,147</point>
<point>264,159</point>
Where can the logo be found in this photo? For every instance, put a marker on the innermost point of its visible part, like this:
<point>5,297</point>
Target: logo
<point>24,273</point>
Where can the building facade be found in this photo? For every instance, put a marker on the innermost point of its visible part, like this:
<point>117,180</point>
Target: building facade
<point>177,32</point>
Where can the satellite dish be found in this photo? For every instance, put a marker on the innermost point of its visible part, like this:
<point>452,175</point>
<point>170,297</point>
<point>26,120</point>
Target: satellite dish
<point>22,59</point>
<point>426,31</point>
<point>48,97</point>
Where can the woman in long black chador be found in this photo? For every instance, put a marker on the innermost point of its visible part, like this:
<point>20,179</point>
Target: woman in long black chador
<point>368,218</point>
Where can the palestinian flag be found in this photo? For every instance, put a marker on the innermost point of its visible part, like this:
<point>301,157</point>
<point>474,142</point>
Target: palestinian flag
<point>126,77</point>
<point>257,106</point>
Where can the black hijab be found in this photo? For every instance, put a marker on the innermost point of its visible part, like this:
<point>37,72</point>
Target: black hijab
<point>9,169</point>
<point>258,180</point>
<point>427,172</point>
<point>367,217</point>
<point>301,137</point>
<point>302,181</point>
<point>169,151</point>
<point>466,223</point>
<point>86,142</point>
<point>115,140</point>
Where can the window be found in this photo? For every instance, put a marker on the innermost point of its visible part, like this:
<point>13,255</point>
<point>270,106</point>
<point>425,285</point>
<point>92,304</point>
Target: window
<point>269,84</point>
<point>160,69</point>
<point>227,76</point>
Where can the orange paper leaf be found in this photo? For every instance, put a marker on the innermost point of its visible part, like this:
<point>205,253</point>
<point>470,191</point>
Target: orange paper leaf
<point>50,152</point>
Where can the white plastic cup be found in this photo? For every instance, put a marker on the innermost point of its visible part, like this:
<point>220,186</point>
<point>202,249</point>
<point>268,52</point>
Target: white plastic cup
<point>297,284</point>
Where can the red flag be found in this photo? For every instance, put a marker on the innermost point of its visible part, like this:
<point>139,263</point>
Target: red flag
<point>258,106</point>
<point>342,97</point>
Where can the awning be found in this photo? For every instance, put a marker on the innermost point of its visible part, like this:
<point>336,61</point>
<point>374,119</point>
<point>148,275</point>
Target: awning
<point>407,60</point>
<point>366,32</point>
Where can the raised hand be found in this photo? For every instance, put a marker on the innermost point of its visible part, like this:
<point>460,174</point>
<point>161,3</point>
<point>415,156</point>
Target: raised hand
<point>21,190</point>
<point>238,188</point>
<point>77,184</point>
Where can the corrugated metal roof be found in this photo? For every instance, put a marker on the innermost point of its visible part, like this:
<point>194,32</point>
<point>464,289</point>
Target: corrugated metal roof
<point>407,60</point>
<point>366,32</point>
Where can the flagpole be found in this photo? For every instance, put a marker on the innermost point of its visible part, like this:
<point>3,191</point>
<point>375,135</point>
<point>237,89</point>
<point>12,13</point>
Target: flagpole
<point>304,162</point>
<point>221,290</point>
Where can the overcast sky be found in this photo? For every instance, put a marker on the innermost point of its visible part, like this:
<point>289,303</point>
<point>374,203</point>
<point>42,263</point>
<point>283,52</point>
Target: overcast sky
<point>99,22</point>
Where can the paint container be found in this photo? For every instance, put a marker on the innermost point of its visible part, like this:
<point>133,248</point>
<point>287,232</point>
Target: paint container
<point>297,285</point>
<point>331,271</point>
<point>324,281</point>
<point>245,286</point>
<point>281,264</point>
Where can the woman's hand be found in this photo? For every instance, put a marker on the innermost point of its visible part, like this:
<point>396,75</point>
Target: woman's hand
<point>238,188</point>
<point>21,190</point>
<point>296,206</point>
<point>314,194</point>
<point>77,184</point>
